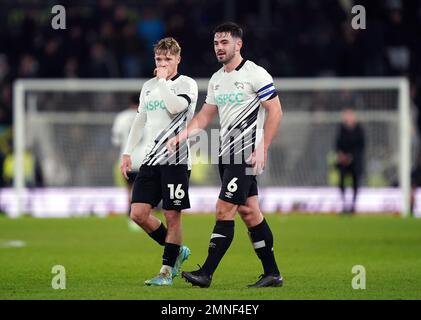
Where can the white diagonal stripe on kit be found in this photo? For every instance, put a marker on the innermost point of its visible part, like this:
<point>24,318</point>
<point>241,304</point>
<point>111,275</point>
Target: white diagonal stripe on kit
<point>171,124</point>
<point>245,113</point>
<point>251,127</point>
<point>252,108</point>
<point>228,143</point>
<point>158,152</point>
<point>182,158</point>
<point>183,145</point>
<point>159,157</point>
<point>246,144</point>
<point>251,118</point>
<point>165,134</point>
<point>252,143</point>
<point>183,151</point>
<point>246,134</point>
<point>240,136</point>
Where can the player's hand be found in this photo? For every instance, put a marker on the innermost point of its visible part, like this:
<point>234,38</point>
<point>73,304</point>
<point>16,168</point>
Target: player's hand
<point>258,159</point>
<point>161,72</point>
<point>344,158</point>
<point>172,144</point>
<point>341,158</point>
<point>349,159</point>
<point>126,165</point>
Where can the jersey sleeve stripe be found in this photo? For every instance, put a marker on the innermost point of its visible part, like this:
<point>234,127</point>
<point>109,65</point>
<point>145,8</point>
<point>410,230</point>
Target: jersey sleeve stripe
<point>272,96</point>
<point>271,88</point>
<point>267,93</point>
<point>185,96</point>
<point>265,87</point>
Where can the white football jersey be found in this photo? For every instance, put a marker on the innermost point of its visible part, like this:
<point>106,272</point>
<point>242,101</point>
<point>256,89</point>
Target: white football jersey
<point>161,124</point>
<point>119,133</point>
<point>237,95</point>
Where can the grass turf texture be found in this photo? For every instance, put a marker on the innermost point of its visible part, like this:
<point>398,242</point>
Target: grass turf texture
<point>104,260</point>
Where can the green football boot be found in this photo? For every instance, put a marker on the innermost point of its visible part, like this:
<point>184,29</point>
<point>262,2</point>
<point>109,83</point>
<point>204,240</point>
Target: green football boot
<point>182,256</point>
<point>162,279</point>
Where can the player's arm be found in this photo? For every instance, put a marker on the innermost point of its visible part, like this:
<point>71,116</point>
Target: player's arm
<point>174,103</point>
<point>263,85</point>
<point>199,122</point>
<point>273,120</point>
<point>133,139</point>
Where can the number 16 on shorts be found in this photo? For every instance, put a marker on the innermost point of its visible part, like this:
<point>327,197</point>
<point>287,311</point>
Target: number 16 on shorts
<point>178,193</point>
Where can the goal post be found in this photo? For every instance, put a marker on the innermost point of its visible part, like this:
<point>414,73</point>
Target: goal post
<point>21,87</point>
<point>311,106</point>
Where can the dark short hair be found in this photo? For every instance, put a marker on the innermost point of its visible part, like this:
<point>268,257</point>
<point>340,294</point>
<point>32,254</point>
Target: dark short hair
<point>230,27</point>
<point>134,99</point>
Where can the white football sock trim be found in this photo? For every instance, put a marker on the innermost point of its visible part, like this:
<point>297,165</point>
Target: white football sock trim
<point>259,244</point>
<point>217,235</point>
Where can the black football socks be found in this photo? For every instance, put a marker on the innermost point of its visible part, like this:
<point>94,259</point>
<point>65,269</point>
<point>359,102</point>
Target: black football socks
<point>221,239</point>
<point>171,252</point>
<point>159,234</point>
<point>262,240</point>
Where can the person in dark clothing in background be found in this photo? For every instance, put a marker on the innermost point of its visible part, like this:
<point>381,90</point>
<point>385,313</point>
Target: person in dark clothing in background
<point>415,181</point>
<point>350,143</point>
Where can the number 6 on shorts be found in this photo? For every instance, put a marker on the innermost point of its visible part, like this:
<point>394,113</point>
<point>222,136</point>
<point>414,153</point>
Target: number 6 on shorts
<point>232,186</point>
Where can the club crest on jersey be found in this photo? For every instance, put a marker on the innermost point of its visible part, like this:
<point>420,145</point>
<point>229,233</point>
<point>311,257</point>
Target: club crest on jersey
<point>216,87</point>
<point>239,85</point>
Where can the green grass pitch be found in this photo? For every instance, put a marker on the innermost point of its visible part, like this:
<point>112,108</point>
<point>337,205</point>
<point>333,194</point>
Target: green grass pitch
<point>104,260</point>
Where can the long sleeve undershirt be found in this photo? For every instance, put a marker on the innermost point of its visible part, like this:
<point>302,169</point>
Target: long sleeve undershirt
<point>135,132</point>
<point>173,103</point>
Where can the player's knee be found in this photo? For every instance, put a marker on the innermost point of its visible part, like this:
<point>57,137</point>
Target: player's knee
<point>172,217</point>
<point>251,216</point>
<point>139,214</point>
<point>245,213</point>
<point>225,210</point>
<point>244,210</point>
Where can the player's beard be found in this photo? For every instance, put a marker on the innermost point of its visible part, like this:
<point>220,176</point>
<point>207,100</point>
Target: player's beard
<point>227,58</point>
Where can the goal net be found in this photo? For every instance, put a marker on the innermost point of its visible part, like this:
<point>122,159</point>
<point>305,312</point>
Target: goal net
<point>66,126</point>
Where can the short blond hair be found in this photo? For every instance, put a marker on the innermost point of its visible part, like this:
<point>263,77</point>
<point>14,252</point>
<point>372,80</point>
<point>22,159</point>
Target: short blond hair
<point>168,44</point>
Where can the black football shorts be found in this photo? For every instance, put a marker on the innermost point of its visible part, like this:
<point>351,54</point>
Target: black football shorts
<point>132,177</point>
<point>169,183</point>
<point>237,186</point>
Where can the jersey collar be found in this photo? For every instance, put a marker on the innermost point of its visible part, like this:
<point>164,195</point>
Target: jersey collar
<point>240,65</point>
<point>175,77</point>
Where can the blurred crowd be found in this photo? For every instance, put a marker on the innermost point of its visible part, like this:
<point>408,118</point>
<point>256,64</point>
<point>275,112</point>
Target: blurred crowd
<point>291,38</point>
<point>106,38</point>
